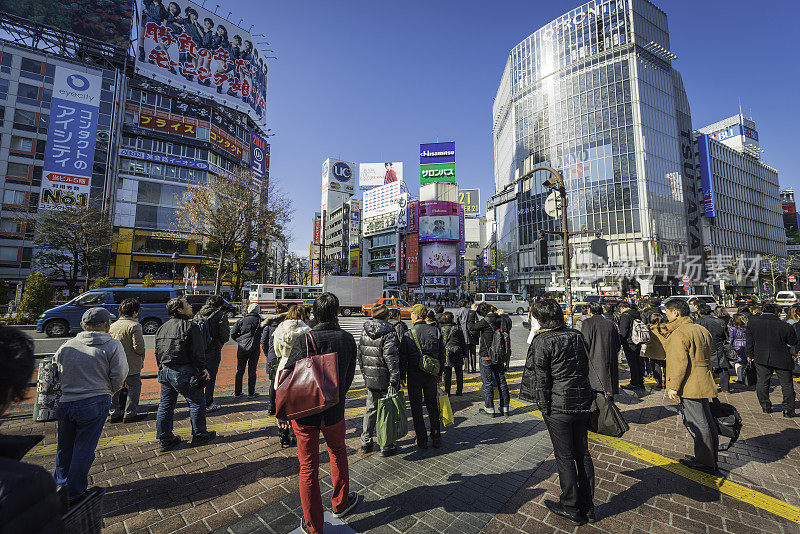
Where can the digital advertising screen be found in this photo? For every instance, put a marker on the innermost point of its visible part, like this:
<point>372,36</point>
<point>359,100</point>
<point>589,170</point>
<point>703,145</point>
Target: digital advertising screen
<point>440,258</point>
<point>439,221</point>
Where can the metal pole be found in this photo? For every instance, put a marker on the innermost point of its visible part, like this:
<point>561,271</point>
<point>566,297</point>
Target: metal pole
<point>567,259</point>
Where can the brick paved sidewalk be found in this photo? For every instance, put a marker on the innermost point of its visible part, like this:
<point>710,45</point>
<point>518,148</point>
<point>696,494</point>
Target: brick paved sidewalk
<point>244,472</point>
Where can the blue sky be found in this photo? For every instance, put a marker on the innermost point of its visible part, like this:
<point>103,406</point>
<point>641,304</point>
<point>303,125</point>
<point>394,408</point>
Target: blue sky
<point>368,81</point>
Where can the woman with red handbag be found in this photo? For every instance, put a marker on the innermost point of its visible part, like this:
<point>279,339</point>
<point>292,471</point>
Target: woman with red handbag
<point>321,367</point>
<point>292,327</point>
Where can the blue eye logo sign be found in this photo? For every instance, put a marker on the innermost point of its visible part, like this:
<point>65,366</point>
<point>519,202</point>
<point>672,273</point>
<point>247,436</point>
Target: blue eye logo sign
<point>342,171</point>
<point>78,82</point>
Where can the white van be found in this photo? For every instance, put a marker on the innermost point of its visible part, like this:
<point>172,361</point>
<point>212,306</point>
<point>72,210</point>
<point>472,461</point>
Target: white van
<point>508,302</point>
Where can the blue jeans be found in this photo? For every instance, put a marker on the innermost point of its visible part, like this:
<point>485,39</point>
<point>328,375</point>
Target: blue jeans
<point>212,364</point>
<point>80,424</point>
<point>175,380</point>
<point>493,376</point>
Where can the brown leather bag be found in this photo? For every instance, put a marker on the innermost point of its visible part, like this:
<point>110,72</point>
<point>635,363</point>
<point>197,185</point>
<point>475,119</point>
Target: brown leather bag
<point>311,387</point>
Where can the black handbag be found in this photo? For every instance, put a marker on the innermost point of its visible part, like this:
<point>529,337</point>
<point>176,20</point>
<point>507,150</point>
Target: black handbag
<point>749,377</point>
<point>605,418</point>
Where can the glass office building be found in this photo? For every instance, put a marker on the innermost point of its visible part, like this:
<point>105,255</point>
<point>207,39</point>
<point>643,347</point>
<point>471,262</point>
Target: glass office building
<point>593,94</point>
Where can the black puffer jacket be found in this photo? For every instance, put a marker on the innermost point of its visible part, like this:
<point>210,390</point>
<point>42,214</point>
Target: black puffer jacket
<point>719,335</point>
<point>180,342</point>
<point>430,339</point>
<point>378,356</point>
<point>556,374</point>
<point>453,339</point>
<point>400,328</point>
<point>484,330</point>
<point>268,328</point>
<point>28,500</point>
<point>626,320</point>
<point>247,333</point>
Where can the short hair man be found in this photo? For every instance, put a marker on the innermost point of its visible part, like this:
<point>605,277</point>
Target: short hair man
<point>92,366</point>
<point>220,334</point>
<point>768,342</point>
<point>627,318</point>
<point>128,331</point>
<point>492,375</point>
<point>181,369</point>
<point>690,381</point>
<point>379,362</point>
<point>604,343</point>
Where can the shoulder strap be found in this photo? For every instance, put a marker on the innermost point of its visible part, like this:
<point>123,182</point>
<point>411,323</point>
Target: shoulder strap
<point>313,345</point>
<point>416,341</point>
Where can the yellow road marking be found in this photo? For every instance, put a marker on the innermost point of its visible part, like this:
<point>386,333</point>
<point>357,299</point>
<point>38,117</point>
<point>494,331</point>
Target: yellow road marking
<point>732,489</point>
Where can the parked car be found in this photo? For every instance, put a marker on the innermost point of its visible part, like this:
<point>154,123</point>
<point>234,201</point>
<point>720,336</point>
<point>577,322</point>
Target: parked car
<point>508,302</point>
<point>65,319</point>
<point>197,302</point>
<point>692,300</point>
<point>392,304</point>
<point>746,300</point>
<point>787,298</point>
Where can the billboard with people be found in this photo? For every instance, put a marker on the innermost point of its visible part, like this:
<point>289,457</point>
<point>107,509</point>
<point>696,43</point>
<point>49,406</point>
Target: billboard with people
<point>106,21</point>
<point>377,174</point>
<point>440,258</point>
<point>439,221</point>
<point>181,44</point>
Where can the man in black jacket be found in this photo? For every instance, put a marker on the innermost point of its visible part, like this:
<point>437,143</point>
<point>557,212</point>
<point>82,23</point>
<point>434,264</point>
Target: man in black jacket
<point>28,499</point>
<point>492,375</point>
<point>603,341</point>
<point>181,369</point>
<point>632,350</point>
<point>379,362</point>
<point>220,334</point>
<point>422,339</point>
<point>719,336</point>
<point>247,334</point>
<point>556,377</point>
<point>328,338</point>
<point>768,342</point>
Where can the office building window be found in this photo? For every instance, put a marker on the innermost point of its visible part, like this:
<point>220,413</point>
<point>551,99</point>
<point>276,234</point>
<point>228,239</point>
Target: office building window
<point>31,65</point>
<point>8,254</point>
<point>27,91</point>
<point>17,170</point>
<point>23,144</point>
<point>25,120</point>
<point>10,226</point>
<point>13,198</point>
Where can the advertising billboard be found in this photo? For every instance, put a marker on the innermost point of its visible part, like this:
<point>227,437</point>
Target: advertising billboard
<point>470,200</point>
<point>259,156</point>
<point>339,175</point>
<point>182,44</point>
<point>107,21</point>
<point>706,176</point>
<point>376,174</point>
<point>354,229</point>
<point>378,223</point>
<point>437,162</point>
<point>791,225</point>
<point>437,173</point>
<point>439,221</point>
<point>412,259</point>
<point>440,258</point>
<point>69,153</point>
<point>317,231</point>
<point>383,199</point>
<point>355,254</point>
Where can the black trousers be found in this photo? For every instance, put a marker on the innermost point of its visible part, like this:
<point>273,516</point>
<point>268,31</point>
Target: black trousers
<point>659,370</point>
<point>472,357</point>
<point>448,378</point>
<point>568,432</point>
<point>764,377</point>
<point>243,359</point>
<point>423,385</point>
<point>634,358</point>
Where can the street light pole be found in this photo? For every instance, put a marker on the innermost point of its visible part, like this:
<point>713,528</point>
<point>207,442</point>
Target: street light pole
<point>175,256</point>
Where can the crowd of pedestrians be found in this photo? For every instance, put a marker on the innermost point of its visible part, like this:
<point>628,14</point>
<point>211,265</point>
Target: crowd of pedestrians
<point>689,350</point>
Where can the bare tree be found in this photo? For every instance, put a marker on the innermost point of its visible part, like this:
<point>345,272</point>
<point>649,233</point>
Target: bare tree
<point>73,242</point>
<point>227,212</point>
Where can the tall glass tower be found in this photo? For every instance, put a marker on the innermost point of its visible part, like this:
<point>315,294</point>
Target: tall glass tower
<point>594,95</point>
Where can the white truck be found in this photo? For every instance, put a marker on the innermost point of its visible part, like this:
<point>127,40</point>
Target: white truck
<point>353,291</point>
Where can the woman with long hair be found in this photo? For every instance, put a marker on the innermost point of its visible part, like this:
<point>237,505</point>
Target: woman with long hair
<point>289,330</point>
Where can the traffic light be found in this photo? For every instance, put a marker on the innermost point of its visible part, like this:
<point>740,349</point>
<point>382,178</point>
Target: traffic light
<point>540,250</point>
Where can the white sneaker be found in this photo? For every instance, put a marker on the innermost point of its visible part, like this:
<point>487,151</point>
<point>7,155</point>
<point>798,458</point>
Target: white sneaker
<point>213,407</point>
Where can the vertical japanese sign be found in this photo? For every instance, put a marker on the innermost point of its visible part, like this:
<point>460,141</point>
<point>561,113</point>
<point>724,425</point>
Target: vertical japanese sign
<point>68,157</point>
<point>259,156</point>
<point>412,259</point>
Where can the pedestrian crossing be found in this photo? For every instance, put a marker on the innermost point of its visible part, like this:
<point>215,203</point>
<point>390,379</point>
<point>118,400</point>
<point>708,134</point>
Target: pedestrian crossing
<point>353,324</point>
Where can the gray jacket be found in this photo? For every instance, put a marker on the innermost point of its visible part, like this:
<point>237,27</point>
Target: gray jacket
<point>461,320</point>
<point>90,364</point>
<point>378,355</point>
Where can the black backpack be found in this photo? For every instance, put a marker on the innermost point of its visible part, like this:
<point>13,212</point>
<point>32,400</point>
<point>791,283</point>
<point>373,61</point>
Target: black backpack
<point>500,349</point>
<point>205,330</point>
<point>729,422</point>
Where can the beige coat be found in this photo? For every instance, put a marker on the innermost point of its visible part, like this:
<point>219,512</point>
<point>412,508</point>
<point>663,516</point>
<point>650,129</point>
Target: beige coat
<point>655,347</point>
<point>688,349</point>
<point>129,332</point>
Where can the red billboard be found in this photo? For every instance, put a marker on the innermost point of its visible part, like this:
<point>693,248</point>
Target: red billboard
<point>412,258</point>
<point>167,125</point>
<point>317,231</point>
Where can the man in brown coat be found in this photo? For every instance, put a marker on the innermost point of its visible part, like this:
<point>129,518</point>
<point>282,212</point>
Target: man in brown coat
<point>129,332</point>
<point>690,381</point>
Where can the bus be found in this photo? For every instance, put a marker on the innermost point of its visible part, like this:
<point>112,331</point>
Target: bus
<point>268,296</point>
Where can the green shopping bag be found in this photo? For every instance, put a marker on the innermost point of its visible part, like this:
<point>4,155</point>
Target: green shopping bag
<point>392,422</point>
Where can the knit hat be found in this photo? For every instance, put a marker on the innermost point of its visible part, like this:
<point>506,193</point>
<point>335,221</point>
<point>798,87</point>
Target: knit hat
<point>379,311</point>
<point>419,310</point>
<point>254,307</point>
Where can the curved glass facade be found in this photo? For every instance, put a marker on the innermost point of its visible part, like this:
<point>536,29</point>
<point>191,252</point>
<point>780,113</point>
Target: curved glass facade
<point>593,95</point>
